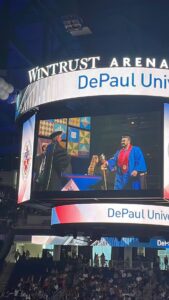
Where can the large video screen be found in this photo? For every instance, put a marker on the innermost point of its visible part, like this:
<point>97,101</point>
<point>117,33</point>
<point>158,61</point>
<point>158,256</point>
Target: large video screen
<point>111,155</point>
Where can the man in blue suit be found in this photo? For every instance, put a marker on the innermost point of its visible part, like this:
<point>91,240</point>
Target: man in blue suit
<point>129,165</point>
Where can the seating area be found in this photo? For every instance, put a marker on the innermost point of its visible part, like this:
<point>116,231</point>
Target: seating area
<point>73,279</point>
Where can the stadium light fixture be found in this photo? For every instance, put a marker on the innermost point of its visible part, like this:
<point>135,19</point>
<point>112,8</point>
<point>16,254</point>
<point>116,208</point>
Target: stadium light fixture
<point>5,89</point>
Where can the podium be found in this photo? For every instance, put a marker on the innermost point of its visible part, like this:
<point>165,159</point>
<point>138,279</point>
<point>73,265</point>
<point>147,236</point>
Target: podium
<point>80,182</point>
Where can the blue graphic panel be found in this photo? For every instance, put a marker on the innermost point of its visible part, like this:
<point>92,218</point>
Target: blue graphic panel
<point>63,128</point>
<point>73,135</point>
<point>85,122</point>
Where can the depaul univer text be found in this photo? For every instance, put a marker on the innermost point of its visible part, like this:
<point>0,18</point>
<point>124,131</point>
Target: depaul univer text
<point>139,214</point>
<point>104,80</point>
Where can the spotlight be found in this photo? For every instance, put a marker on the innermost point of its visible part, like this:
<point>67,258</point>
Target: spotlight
<point>3,95</point>
<point>2,82</point>
<point>75,26</point>
<point>5,89</point>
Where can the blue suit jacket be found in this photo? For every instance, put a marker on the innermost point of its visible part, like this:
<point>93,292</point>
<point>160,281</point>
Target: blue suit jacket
<point>136,162</point>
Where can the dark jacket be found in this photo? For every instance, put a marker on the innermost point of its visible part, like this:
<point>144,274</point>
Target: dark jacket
<point>57,163</point>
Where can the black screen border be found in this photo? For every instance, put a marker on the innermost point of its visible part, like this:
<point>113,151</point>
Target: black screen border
<point>99,195</point>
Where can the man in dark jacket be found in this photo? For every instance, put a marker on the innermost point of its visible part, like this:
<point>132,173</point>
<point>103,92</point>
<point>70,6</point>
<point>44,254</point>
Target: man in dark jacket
<point>58,162</point>
<point>39,168</point>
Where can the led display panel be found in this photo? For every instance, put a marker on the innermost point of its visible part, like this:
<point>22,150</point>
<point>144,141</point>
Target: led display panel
<point>166,152</point>
<point>110,213</point>
<point>111,154</point>
<point>26,162</point>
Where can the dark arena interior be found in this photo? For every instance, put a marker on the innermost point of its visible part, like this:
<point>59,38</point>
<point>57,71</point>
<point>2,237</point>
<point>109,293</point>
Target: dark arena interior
<point>84,152</point>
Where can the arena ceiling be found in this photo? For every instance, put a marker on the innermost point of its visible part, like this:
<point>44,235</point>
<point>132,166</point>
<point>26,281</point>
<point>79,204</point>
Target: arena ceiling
<point>40,32</point>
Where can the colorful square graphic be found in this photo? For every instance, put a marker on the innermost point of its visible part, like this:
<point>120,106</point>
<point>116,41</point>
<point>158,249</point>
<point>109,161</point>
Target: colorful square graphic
<point>74,138</point>
<point>72,149</point>
<point>60,121</point>
<point>84,150</point>
<point>74,122</point>
<point>84,137</point>
<point>73,135</point>
<point>85,122</point>
<point>61,127</point>
<point>46,127</point>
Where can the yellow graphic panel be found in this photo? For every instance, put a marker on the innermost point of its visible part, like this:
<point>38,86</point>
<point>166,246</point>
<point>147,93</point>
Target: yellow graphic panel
<point>46,128</point>
<point>73,148</point>
<point>74,122</point>
<point>84,137</point>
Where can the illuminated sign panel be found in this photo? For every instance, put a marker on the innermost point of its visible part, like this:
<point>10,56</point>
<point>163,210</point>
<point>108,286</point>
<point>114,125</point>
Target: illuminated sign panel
<point>93,134</point>
<point>162,243</point>
<point>111,213</point>
<point>166,151</point>
<point>104,241</point>
<point>93,63</point>
<point>25,178</point>
<point>94,82</point>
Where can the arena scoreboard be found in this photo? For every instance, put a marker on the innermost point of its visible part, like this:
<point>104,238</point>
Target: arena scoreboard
<point>113,147</point>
